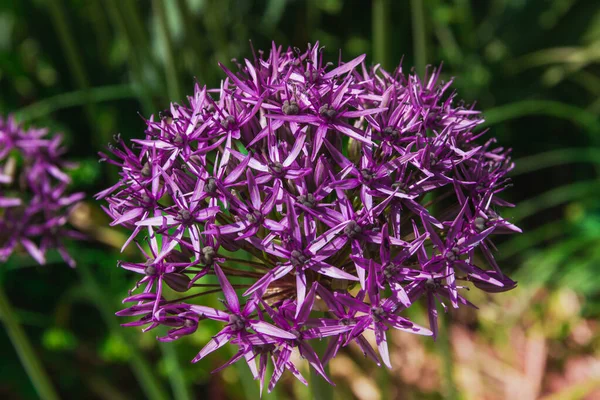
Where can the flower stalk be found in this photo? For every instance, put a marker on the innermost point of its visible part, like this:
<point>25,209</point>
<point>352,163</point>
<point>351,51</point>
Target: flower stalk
<point>31,361</point>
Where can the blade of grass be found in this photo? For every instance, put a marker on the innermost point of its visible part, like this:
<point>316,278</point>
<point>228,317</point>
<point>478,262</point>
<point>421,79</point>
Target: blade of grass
<point>148,382</point>
<point>170,69</point>
<point>75,64</point>
<point>135,25</point>
<point>552,108</point>
<point>62,26</point>
<point>272,14</point>
<point>181,391</point>
<point>529,239</point>
<point>31,362</point>
<point>576,391</point>
<point>31,318</point>
<point>554,197</point>
<point>319,387</point>
<point>381,32</point>
<point>537,271</point>
<point>249,385</point>
<point>103,388</point>
<point>445,36</point>
<point>134,59</point>
<point>556,157</point>
<point>193,39</point>
<point>466,27</point>
<point>419,35</point>
<point>443,341</point>
<point>73,99</point>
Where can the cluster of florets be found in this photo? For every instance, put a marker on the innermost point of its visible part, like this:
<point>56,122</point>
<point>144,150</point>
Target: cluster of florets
<point>324,200</point>
<point>34,203</point>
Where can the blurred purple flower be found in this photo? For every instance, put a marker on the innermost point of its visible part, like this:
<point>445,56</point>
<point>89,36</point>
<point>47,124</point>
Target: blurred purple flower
<point>331,200</point>
<point>34,202</point>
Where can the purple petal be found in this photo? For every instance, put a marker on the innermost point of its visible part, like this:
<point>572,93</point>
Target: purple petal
<point>209,312</point>
<point>230,295</point>
<point>383,347</point>
<point>215,343</point>
<point>347,67</point>
<point>271,330</point>
<point>331,271</point>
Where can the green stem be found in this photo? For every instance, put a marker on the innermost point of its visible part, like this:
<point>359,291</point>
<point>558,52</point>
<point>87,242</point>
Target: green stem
<point>319,387</point>
<point>450,391</point>
<point>135,60</point>
<point>170,68</point>
<point>418,29</point>
<point>381,31</point>
<point>193,38</point>
<point>75,62</point>
<point>65,35</point>
<point>29,359</point>
<point>180,389</point>
<point>139,365</point>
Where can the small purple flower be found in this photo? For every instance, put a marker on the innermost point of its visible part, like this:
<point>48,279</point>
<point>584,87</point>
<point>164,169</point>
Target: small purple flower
<point>305,188</point>
<point>34,202</point>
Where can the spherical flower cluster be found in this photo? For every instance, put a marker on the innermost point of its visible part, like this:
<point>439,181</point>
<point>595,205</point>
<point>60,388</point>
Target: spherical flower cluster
<point>34,203</point>
<point>325,201</point>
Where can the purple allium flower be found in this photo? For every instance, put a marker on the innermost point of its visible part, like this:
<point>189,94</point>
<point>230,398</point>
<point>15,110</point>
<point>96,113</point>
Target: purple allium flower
<point>34,203</point>
<point>325,201</point>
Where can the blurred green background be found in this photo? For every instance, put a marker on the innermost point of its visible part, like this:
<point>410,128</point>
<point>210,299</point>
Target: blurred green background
<point>88,67</point>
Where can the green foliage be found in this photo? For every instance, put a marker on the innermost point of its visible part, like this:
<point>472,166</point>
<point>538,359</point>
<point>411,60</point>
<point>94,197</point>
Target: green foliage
<point>58,339</point>
<point>87,67</point>
<point>114,349</point>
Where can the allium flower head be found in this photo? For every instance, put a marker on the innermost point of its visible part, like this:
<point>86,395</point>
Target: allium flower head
<point>34,203</point>
<point>325,200</point>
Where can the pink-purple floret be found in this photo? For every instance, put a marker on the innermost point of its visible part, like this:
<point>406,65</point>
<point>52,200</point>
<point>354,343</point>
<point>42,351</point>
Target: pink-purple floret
<point>34,200</point>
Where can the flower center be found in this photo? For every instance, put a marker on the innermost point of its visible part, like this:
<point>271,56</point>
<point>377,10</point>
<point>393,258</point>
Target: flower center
<point>185,216</point>
<point>253,217</point>
<point>146,170</point>
<point>400,187</point>
<point>307,200</point>
<point>480,224</point>
<point>188,323</point>
<point>327,112</point>
<point>352,229</point>
<point>433,160</point>
<point>264,348</point>
<point>298,259</point>
<point>290,108</point>
<point>391,131</point>
<point>211,185</point>
<point>377,313</point>
<point>228,122</point>
<point>453,254</point>
<point>237,323</point>
<point>311,74</point>
<point>145,198</point>
<point>389,270</point>
<point>432,284</point>
<point>367,174</point>
<point>208,255</point>
<point>277,167</point>
<point>150,270</point>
